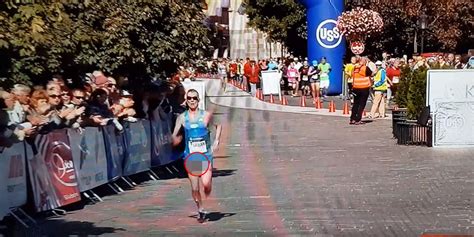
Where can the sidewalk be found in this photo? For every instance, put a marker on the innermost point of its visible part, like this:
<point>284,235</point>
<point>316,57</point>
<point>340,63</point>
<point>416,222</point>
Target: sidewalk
<point>235,97</point>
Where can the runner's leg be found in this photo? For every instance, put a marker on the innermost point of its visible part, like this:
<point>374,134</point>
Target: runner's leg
<point>195,191</point>
<point>206,182</point>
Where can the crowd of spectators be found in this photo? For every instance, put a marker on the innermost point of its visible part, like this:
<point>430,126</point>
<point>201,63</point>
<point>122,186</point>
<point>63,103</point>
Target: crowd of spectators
<point>27,111</point>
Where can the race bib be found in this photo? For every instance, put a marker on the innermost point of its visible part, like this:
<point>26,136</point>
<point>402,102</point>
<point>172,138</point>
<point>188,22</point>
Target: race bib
<point>396,80</point>
<point>305,78</point>
<point>292,74</point>
<point>324,74</point>
<point>197,146</point>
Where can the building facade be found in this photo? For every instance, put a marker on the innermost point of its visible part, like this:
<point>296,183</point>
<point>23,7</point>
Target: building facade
<point>235,38</point>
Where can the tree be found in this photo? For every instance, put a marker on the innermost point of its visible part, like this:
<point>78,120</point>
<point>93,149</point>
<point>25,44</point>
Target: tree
<point>449,29</point>
<point>138,38</point>
<point>451,25</point>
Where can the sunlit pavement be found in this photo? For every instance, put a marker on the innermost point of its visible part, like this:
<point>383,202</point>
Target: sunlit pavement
<point>285,174</point>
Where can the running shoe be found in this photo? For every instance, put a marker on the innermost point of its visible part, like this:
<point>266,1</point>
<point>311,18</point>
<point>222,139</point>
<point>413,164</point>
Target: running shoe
<point>201,217</point>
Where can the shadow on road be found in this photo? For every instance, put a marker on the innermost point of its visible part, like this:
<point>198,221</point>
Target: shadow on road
<point>61,228</point>
<point>217,173</point>
<point>215,216</point>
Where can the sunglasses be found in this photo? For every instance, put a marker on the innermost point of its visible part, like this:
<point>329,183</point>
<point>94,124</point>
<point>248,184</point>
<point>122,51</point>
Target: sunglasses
<point>54,96</point>
<point>192,98</point>
<point>111,85</point>
<point>79,97</point>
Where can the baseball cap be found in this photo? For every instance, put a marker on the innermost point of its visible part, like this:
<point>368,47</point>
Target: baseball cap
<point>125,93</point>
<point>378,63</point>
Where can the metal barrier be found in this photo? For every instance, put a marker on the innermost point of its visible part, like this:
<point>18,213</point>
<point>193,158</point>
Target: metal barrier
<point>412,133</point>
<point>399,115</point>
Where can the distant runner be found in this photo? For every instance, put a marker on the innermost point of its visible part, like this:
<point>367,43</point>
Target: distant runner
<point>197,139</point>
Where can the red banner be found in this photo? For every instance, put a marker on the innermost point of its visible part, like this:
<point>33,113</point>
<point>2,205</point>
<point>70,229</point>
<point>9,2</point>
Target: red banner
<point>52,172</point>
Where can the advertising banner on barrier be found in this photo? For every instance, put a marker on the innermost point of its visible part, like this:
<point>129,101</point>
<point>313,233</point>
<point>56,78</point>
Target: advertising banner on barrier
<point>12,178</point>
<point>52,171</point>
<point>88,152</point>
<point>161,153</point>
<point>137,143</point>
<point>114,152</point>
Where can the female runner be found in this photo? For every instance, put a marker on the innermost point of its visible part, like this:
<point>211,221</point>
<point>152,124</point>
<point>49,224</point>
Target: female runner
<point>196,124</point>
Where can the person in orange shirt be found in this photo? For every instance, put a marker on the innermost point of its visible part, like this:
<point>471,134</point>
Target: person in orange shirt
<point>361,85</point>
<point>233,70</point>
<point>252,71</point>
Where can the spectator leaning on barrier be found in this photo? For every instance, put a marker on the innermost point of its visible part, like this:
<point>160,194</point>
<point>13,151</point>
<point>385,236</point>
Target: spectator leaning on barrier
<point>124,109</point>
<point>12,128</point>
<point>97,110</point>
<point>22,96</point>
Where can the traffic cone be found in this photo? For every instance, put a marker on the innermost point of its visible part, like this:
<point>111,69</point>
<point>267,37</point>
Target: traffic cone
<point>284,101</point>
<point>303,101</point>
<point>332,107</point>
<point>258,95</point>
<point>318,103</point>
<point>272,100</point>
<point>262,97</point>
<point>346,108</point>
<point>364,114</point>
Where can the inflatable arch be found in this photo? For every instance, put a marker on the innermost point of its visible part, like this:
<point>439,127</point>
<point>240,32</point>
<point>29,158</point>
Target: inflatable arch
<point>324,39</point>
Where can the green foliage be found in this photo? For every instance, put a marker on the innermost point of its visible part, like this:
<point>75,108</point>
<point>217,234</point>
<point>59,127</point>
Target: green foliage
<point>137,38</point>
<point>417,93</point>
<point>401,97</point>
<point>449,29</point>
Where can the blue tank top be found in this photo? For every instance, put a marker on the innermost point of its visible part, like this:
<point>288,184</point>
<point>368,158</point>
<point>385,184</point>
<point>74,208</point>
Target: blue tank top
<point>197,136</point>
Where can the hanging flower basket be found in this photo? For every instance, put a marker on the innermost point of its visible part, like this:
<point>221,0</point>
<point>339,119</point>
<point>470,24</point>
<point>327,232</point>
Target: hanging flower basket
<point>359,23</point>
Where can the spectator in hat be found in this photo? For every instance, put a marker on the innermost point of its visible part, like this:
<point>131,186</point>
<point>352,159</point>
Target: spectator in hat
<point>380,91</point>
<point>124,108</point>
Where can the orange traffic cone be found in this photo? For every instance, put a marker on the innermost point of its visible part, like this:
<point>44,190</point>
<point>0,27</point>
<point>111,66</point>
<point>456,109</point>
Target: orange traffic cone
<point>364,114</point>
<point>284,101</point>
<point>346,108</point>
<point>257,95</point>
<point>332,107</point>
<point>303,101</point>
<point>262,97</point>
<point>272,100</point>
<point>318,103</point>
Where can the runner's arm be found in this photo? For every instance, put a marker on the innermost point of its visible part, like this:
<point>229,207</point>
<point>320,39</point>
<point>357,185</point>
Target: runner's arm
<point>176,139</point>
<point>210,120</point>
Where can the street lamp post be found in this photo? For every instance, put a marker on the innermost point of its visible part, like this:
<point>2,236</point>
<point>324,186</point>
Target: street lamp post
<point>423,26</point>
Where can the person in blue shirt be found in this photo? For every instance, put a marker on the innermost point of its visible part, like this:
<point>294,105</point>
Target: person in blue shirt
<point>272,65</point>
<point>196,123</point>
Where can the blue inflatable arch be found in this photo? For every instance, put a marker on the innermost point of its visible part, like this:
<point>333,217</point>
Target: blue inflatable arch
<point>324,39</point>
